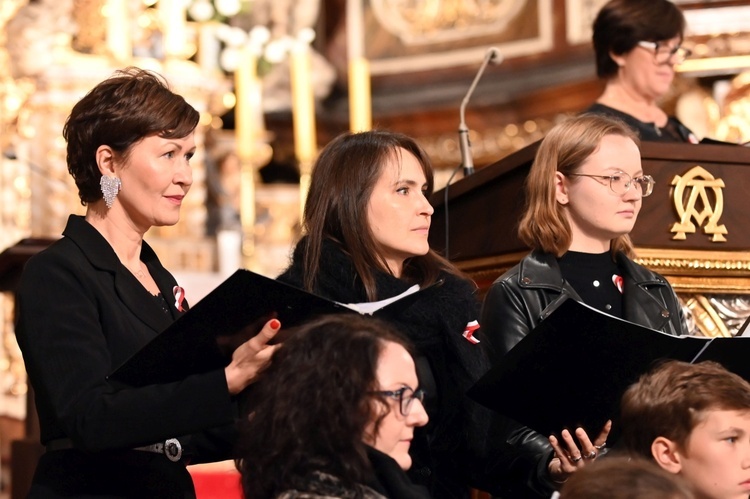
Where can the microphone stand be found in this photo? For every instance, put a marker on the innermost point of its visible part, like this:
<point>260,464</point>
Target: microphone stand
<point>463,131</point>
<point>467,161</point>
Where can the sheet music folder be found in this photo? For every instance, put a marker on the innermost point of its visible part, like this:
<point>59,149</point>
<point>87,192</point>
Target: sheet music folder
<point>573,368</point>
<point>204,338</point>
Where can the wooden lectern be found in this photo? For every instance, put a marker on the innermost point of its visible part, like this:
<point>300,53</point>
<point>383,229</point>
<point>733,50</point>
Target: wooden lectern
<point>24,453</point>
<point>693,229</point>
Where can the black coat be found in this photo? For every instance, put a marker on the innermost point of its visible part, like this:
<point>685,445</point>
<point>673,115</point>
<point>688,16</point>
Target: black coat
<point>386,481</point>
<point>522,297</point>
<point>457,448</point>
<point>81,313</point>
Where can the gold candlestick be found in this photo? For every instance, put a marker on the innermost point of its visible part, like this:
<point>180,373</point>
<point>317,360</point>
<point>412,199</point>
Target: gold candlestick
<point>303,113</point>
<point>248,113</point>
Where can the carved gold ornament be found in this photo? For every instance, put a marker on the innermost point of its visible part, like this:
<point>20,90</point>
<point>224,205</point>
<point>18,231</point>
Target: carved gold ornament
<point>697,180</point>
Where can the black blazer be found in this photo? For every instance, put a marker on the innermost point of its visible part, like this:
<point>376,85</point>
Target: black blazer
<point>81,313</point>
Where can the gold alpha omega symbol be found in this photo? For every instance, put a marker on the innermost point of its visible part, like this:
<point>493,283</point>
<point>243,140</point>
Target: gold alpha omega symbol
<point>697,180</point>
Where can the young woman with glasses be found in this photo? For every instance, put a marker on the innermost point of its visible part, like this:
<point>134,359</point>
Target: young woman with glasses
<point>334,415</point>
<point>583,196</point>
<point>638,43</point>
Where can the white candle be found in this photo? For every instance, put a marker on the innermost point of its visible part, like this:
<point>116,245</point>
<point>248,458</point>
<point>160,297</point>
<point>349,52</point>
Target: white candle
<point>303,115</point>
<point>303,103</point>
<point>173,16</point>
<point>119,39</point>
<point>209,47</point>
<point>248,111</point>
<point>360,106</point>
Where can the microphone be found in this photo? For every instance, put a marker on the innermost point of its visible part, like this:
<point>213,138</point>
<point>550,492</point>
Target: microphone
<point>493,55</point>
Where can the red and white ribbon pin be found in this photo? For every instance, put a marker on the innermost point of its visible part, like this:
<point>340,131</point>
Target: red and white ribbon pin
<point>469,332</point>
<point>617,281</point>
<point>179,297</point>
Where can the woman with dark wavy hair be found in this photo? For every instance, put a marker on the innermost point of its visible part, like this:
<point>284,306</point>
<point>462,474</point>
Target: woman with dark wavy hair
<point>366,222</point>
<point>334,415</point>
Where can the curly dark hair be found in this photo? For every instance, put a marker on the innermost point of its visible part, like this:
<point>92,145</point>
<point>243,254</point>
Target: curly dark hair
<point>621,24</point>
<point>311,404</point>
<point>119,112</point>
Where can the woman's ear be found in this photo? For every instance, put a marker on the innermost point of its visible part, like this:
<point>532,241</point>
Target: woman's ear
<point>561,189</point>
<point>105,159</point>
<point>666,454</point>
<point>619,59</point>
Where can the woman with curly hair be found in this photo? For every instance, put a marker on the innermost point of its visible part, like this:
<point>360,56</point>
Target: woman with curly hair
<point>334,415</point>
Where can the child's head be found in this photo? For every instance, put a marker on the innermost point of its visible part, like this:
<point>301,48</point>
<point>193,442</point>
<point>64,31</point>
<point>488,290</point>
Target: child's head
<point>624,478</point>
<point>692,419</point>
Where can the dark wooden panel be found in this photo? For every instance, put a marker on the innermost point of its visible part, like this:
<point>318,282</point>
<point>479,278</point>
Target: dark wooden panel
<point>484,209</point>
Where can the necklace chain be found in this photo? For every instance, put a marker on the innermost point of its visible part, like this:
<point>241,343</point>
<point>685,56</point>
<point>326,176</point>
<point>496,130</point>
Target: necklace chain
<point>139,274</point>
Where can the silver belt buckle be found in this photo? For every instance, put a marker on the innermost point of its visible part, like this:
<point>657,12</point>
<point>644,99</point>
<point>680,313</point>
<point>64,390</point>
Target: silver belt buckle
<point>171,448</point>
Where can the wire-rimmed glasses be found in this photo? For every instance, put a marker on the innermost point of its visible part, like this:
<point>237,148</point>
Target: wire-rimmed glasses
<point>663,53</point>
<point>405,397</point>
<point>620,182</point>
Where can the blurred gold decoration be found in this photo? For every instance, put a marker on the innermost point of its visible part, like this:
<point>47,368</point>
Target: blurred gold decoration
<point>88,14</point>
<point>420,21</point>
<point>734,125</point>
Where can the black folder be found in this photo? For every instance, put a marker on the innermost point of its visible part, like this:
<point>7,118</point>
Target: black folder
<point>204,338</point>
<point>573,368</point>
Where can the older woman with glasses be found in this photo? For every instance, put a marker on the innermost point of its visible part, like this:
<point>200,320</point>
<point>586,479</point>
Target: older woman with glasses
<point>638,43</point>
<point>334,415</point>
<point>583,195</point>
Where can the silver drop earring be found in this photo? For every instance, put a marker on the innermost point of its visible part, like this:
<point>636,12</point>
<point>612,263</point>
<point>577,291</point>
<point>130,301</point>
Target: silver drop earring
<point>110,187</point>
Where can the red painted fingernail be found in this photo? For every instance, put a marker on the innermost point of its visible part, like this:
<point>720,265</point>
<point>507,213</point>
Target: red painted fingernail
<point>275,324</point>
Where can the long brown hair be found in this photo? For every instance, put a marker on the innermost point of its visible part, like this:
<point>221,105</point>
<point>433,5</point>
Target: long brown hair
<point>341,184</point>
<point>544,225</point>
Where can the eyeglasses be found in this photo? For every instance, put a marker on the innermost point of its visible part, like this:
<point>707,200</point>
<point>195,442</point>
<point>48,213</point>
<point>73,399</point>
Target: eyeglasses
<point>620,182</point>
<point>663,53</point>
<point>405,397</point>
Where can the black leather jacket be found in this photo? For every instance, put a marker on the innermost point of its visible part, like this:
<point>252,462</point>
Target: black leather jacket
<point>519,299</point>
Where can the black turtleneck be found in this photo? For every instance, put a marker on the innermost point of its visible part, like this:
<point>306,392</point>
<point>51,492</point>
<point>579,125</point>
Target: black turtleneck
<point>593,278</point>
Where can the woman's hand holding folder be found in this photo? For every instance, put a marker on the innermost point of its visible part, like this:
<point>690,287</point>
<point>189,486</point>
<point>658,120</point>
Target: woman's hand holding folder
<point>250,357</point>
<point>569,457</point>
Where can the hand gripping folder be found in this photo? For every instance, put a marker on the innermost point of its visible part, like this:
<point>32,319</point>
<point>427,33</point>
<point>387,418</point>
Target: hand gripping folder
<point>204,338</point>
<point>573,368</point>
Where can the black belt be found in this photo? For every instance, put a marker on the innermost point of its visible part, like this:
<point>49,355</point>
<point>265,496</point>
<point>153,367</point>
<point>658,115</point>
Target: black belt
<point>171,448</point>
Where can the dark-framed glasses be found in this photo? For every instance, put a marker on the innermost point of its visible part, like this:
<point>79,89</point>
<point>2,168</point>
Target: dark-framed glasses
<point>405,397</point>
<point>620,182</point>
<point>664,53</point>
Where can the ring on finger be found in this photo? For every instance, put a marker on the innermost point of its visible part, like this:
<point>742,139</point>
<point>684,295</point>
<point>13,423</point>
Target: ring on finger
<point>576,459</point>
<point>591,455</point>
<point>600,447</point>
